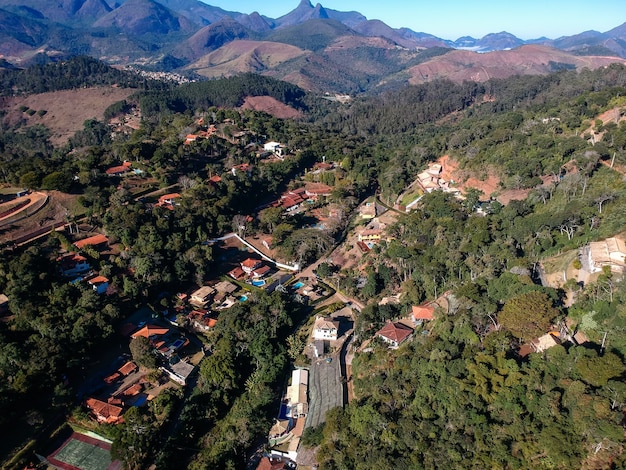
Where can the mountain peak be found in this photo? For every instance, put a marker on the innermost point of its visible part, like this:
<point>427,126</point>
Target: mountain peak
<point>303,12</point>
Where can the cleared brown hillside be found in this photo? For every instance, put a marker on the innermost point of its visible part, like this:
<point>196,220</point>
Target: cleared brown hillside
<point>270,105</point>
<point>244,56</point>
<point>526,60</point>
<point>66,111</point>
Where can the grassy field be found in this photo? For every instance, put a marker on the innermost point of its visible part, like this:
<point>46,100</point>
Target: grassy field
<point>559,263</point>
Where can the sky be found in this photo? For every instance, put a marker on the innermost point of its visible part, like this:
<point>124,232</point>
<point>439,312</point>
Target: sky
<point>451,19</point>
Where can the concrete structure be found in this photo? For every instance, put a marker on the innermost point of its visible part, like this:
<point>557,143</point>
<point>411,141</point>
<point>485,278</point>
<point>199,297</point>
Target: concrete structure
<point>610,252</point>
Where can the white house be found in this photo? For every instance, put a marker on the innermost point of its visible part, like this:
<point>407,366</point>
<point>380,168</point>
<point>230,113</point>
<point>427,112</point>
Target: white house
<point>325,328</point>
<point>275,147</point>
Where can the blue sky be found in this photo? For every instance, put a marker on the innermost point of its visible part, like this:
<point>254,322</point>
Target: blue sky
<point>450,19</point>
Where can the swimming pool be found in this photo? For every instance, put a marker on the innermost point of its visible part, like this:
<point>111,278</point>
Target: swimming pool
<point>260,283</point>
<point>298,284</point>
<point>178,343</point>
<point>243,298</point>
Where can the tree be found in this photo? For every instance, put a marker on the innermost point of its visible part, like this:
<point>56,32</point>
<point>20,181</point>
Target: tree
<point>597,370</point>
<point>57,180</point>
<point>141,350</point>
<point>528,315</point>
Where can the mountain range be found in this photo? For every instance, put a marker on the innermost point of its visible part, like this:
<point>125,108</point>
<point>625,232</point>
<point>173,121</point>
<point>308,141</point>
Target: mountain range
<point>312,46</point>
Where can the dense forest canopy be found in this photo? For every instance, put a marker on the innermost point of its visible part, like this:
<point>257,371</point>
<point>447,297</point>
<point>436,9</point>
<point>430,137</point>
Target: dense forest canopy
<point>458,396</point>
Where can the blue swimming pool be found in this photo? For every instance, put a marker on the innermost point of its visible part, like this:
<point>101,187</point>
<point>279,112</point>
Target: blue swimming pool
<point>298,284</point>
<point>178,343</point>
<point>243,298</point>
<point>260,283</point>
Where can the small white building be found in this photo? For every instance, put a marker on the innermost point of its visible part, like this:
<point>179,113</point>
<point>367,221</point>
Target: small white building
<point>275,147</point>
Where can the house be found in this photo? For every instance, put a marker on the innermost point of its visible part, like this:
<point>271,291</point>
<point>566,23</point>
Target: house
<point>99,283</point>
<point>323,166</point>
<point>261,271</point>
<point>297,393</point>
<point>215,179</point>
<point>394,334</point>
<point>545,342</point>
<point>201,320</point>
<point>244,168</point>
<point>280,428</point>
<point>127,368</point>
<point>315,190</point>
<point>271,463</point>
<point>275,147</point>
<point>168,200</point>
<point>372,235</point>
<point>237,273</point>
<point>104,412</point>
<point>96,241</point>
<point>325,328</point>
<point>422,313</point>
<point>150,331</point>
<point>118,170</point>
<point>368,211</point>
<point>201,296</point>
<point>179,371</point>
<point>435,169</point>
<point>225,287</point>
<point>610,252</point>
<point>190,138</point>
<point>72,264</point>
<point>250,264</point>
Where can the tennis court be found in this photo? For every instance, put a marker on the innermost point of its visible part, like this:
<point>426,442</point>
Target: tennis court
<point>84,453</point>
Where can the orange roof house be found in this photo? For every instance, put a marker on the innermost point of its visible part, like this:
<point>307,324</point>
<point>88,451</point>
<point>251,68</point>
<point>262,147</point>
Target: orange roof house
<point>237,273</point>
<point>149,331</point>
<point>168,200</point>
<point>127,368</point>
<point>118,170</point>
<point>424,312</point>
<point>104,412</point>
<point>95,241</point>
<point>317,189</point>
<point>394,334</point>
<point>261,271</point>
<point>250,264</point>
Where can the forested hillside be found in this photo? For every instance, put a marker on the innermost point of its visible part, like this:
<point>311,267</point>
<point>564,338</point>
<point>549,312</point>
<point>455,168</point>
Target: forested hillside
<point>458,395</point>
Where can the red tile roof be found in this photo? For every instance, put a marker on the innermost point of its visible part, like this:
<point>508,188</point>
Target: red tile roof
<point>117,170</point>
<point>396,332</point>
<point>166,197</point>
<point>127,368</point>
<point>237,273</point>
<point>98,280</point>
<point>250,263</point>
<point>150,330</point>
<point>93,241</point>
<point>104,411</point>
<point>423,312</point>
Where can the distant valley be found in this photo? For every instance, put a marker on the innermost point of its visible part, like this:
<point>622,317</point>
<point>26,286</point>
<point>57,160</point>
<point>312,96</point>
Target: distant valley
<point>314,47</point>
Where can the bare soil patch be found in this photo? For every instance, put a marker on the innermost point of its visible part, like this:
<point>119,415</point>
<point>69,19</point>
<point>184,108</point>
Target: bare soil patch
<point>65,111</point>
<point>271,105</point>
<point>58,208</point>
<point>489,183</point>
